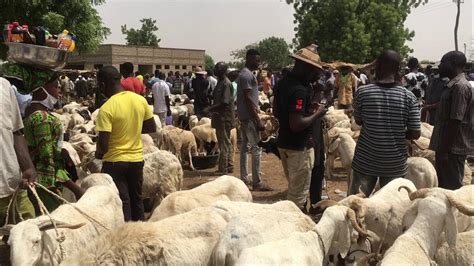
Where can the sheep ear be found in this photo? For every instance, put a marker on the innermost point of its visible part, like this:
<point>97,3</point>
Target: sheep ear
<point>334,145</point>
<point>450,228</point>
<point>344,240</point>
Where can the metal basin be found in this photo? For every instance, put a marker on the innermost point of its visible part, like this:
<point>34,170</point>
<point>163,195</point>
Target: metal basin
<point>205,162</point>
<point>36,55</point>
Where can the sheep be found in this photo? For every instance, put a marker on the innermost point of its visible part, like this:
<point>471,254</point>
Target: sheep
<point>33,242</point>
<point>419,148</point>
<point>426,130</point>
<point>76,120</point>
<point>204,121</point>
<point>83,144</point>
<point>271,125</point>
<point>461,254</point>
<point>88,128</point>
<point>246,231</point>
<point>345,147</point>
<point>148,144</point>
<point>227,188</point>
<point>334,116</point>
<point>421,172</point>
<point>418,245</point>
<point>71,107</point>
<point>204,133</point>
<point>94,115</point>
<point>72,153</point>
<point>177,111</point>
<point>180,141</point>
<point>384,210</point>
<point>343,124</point>
<point>65,119</point>
<point>184,239</point>
<point>193,121</point>
<point>333,232</point>
<point>162,175</point>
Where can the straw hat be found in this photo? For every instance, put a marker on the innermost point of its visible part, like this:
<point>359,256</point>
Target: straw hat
<point>309,55</point>
<point>198,70</point>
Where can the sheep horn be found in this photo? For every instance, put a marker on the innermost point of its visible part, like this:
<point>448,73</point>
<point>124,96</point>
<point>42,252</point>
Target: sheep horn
<point>351,215</point>
<point>358,206</point>
<point>324,204</point>
<point>461,206</point>
<point>361,193</point>
<point>406,188</point>
<point>367,258</point>
<point>420,193</point>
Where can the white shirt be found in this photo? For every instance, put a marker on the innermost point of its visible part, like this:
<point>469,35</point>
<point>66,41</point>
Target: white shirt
<point>212,83</point>
<point>24,100</point>
<point>363,78</point>
<point>10,121</point>
<point>160,90</point>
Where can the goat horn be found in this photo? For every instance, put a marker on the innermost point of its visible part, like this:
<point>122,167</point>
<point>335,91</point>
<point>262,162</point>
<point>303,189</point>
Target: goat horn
<point>420,193</point>
<point>367,258</point>
<point>461,206</point>
<point>324,204</point>
<point>350,214</point>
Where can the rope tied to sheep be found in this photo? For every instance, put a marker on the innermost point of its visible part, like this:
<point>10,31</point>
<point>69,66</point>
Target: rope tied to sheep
<point>13,204</point>
<point>75,207</point>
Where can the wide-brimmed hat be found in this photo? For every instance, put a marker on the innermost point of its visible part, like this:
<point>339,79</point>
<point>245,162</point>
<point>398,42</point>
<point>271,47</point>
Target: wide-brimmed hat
<point>309,55</point>
<point>198,70</point>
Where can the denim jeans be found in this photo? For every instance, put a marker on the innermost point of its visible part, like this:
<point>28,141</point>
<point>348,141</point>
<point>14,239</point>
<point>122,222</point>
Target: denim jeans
<point>249,141</point>
<point>367,183</point>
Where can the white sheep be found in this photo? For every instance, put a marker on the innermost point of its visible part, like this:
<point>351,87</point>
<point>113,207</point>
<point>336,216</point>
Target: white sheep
<point>185,239</point>
<point>76,120</point>
<point>344,146</point>
<point>72,153</point>
<point>193,121</point>
<point>426,130</point>
<point>333,232</point>
<point>334,116</point>
<point>148,144</point>
<point>461,254</point>
<point>34,242</point>
<point>204,133</point>
<point>204,121</point>
<point>71,107</point>
<point>162,175</point>
<point>421,172</point>
<point>94,115</point>
<point>418,245</point>
<point>248,229</point>
<point>227,188</point>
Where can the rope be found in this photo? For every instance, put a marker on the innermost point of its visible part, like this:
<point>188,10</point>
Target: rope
<point>326,151</point>
<point>75,207</point>
<point>14,202</point>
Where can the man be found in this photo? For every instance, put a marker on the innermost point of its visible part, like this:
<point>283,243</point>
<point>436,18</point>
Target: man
<point>415,81</point>
<point>296,114</point>
<point>212,84</point>
<point>81,87</point>
<point>329,86</point>
<point>15,157</point>
<point>389,114</point>
<point>346,85</point>
<point>129,81</point>
<point>223,118</point>
<point>250,124</point>
<point>433,93</point>
<point>200,87</point>
<point>453,133</point>
<point>120,123</point>
<point>267,84</point>
<point>161,98</point>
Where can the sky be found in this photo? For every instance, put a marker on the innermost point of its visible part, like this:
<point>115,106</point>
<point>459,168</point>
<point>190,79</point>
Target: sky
<point>221,26</point>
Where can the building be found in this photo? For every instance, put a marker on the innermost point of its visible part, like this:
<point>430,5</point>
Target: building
<point>145,59</point>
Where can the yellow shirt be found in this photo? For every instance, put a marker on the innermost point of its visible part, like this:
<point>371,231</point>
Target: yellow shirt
<point>123,115</point>
<point>345,87</point>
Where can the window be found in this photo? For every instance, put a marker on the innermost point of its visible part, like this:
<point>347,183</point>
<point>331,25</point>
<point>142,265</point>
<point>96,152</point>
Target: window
<point>158,66</point>
<point>176,67</point>
<point>183,67</point>
<point>167,66</point>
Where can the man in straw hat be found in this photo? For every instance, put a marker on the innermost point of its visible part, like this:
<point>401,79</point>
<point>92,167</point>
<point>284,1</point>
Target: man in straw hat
<point>200,85</point>
<point>296,114</point>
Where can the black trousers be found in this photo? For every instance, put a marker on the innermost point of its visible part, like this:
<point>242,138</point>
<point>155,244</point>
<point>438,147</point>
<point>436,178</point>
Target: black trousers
<point>317,174</point>
<point>450,176</point>
<point>128,177</point>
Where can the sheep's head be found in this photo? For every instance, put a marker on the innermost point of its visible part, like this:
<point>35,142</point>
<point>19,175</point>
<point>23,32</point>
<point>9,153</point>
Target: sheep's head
<point>26,240</point>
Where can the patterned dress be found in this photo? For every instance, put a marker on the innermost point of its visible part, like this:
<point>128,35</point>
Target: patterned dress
<point>43,132</point>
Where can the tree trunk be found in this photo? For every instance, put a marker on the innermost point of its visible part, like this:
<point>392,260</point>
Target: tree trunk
<point>456,26</point>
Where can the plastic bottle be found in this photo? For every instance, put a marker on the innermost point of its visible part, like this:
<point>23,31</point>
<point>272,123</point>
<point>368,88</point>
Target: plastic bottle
<point>73,43</point>
<point>65,40</point>
<point>27,37</point>
<point>17,32</point>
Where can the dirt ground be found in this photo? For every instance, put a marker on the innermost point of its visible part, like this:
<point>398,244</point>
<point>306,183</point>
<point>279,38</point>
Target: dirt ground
<point>272,175</point>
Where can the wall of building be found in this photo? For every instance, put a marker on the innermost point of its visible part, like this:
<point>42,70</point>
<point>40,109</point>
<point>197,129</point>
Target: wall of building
<point>144,59</point>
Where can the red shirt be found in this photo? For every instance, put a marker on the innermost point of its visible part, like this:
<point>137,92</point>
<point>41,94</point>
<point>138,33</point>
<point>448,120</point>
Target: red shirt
<point>133,84</point>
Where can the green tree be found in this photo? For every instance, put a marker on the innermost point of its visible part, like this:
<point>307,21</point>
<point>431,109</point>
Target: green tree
<point>77,16</point>
<point>274,52</point>
<point>353,30</point>
<point>239,54</point>
<point>209,62</point>
<point>144,36</point>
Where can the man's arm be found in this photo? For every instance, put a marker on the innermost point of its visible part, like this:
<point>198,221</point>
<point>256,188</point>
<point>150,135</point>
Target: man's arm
<point>102,144</point>
<point>21,150</point>
<point>149,126</point>
<point>414,119</point>
<point>250,106</point>
<point>168,106</point>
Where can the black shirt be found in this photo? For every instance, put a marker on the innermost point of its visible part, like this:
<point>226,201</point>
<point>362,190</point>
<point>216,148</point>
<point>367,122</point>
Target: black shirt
<point>200,86</point>
<point>292,96</point>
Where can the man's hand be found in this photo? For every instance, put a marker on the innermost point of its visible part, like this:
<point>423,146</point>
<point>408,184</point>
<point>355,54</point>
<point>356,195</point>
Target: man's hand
<point>28,177</point>
<point>319,109</point>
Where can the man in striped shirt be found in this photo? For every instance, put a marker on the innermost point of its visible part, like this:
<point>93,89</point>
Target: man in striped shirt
<point>389,114</point>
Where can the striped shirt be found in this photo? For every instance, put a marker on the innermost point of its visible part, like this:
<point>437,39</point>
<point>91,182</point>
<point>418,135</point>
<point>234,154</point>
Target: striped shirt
<point>386,114</point>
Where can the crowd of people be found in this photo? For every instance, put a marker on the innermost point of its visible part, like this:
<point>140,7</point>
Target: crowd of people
<point>388,104</point>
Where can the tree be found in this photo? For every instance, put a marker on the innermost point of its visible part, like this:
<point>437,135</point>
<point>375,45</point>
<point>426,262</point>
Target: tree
<point>209,62</point>
<point>77,16</point>
<point>353,30</point>
<point>274,53</point>
<point>145,36</point>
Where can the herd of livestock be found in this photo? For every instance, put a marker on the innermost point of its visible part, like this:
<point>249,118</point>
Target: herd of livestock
<point>410,221</point>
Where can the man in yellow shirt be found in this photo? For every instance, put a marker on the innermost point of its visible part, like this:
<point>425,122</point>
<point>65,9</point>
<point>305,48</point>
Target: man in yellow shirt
<point>346,85</point>
<point>120,123</point>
